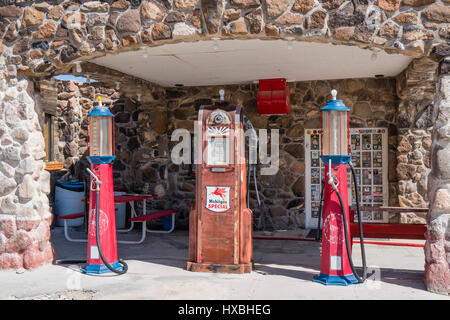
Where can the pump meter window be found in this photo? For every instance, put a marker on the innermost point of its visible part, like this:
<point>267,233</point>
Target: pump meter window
<point>218,154</point>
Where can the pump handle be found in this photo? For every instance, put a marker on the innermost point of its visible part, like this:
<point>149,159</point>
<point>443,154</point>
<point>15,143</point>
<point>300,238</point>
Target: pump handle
<point>96,181</point>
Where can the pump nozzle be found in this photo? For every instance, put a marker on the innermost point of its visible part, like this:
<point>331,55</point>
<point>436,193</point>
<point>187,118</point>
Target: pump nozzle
<point>96,181</point>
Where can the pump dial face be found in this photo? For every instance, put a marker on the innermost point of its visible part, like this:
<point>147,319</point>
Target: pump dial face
<point>218,119</point>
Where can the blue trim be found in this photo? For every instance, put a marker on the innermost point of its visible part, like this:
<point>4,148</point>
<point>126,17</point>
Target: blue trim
<point>335,280</point>
<point>101,268</point>
<point>70,185</point>
<point>100,112</point>
<point>341,159</point>
<point>100,159</point>
<point>335,105</point>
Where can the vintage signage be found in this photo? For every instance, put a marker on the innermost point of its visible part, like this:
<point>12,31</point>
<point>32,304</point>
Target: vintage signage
<point>218,198</point>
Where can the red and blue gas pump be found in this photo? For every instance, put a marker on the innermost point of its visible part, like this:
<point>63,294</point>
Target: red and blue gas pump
<point>336,263</point>
<point>102,243</point>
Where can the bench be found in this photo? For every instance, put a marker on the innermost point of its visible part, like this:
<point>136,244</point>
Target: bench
<point>71,216</point>
<point>149,216</point>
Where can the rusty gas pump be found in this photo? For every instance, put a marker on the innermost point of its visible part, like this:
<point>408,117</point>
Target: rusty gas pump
<point>220,226</point>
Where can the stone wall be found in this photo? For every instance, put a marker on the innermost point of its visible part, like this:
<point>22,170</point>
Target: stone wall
<point>42,37</point>
<point>416,90</point>
<point>24,184</point>
<point>437,246</point>
<point>373,103</point>
<point>144,128</point>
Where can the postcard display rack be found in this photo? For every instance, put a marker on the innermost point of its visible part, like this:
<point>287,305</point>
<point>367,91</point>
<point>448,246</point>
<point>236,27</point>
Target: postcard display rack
<point>369,157</point>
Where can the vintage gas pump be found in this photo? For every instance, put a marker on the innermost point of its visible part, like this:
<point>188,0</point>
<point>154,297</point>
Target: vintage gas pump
<point>102,244</point>
<point>336,264</point>
<point>220,226</point>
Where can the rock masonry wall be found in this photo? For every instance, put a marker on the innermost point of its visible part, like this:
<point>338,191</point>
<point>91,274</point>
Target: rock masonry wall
<point>25,216</point>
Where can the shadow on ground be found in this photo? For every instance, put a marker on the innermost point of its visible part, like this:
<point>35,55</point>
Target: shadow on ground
<point>270,256</point>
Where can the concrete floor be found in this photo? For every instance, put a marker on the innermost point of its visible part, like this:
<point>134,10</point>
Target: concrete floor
<point>157,270</point>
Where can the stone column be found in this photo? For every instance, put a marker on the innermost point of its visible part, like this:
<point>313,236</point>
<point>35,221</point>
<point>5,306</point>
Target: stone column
<point>25,216</point>
<point>416,88</point>
<point>437,246</point>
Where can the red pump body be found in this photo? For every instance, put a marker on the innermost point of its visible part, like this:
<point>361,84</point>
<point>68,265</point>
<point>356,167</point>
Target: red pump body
<point>107,222</point>
<point>334,253</point>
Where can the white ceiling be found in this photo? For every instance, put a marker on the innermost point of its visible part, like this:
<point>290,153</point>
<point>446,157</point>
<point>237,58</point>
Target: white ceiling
<point>245,61</point>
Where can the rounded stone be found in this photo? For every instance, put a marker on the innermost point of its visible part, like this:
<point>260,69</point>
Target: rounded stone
<point>130,21</point>
<point>417,3</point>
<point>185,4</point>
<point>11,11</point>
<point>161,31</point>
<point>275,8</point>
<point>245,4</point>
<point>8,225</point>
<point>45,31</point>
<point>182,30</point>
<point>255,20</point>
<point>437,277</point>
<point>388,5</point>
<point>152,10</point>
<point>21,240</point>
<point>10,261</point>
<point>55,12</point>
<point>32,17</point>
<point>231,14</point>
<point>436,12</point>
<point>37,255</point>
<point>289,18</point>
<point>175,16</point>
<point>27,188</point>
<point>120,5</point>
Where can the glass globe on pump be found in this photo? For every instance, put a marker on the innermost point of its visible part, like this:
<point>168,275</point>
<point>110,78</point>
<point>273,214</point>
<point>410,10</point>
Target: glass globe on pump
<point>101,134</point>
<point>335,131</point>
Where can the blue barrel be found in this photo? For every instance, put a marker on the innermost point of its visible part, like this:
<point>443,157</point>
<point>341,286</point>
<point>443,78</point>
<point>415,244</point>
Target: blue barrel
<point>68,200</point>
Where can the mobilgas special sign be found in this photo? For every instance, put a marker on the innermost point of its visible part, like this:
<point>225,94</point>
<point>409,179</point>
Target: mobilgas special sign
<point>218,198</point>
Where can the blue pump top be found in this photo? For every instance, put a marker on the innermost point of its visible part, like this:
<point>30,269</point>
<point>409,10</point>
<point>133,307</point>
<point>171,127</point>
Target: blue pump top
<point>101,111</point>
<point>334,105</point>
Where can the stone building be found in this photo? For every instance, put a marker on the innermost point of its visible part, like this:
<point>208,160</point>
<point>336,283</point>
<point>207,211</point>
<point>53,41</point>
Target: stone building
<point>114,42</point>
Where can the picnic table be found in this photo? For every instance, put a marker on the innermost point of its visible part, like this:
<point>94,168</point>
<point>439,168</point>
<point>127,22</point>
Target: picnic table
<point>127,198</point>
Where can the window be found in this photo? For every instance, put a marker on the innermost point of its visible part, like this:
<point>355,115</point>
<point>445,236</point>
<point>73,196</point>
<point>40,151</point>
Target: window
<point>48,136</point>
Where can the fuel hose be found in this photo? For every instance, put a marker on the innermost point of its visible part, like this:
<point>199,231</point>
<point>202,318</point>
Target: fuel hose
<point>346,232</point>
<point>97,234</point>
